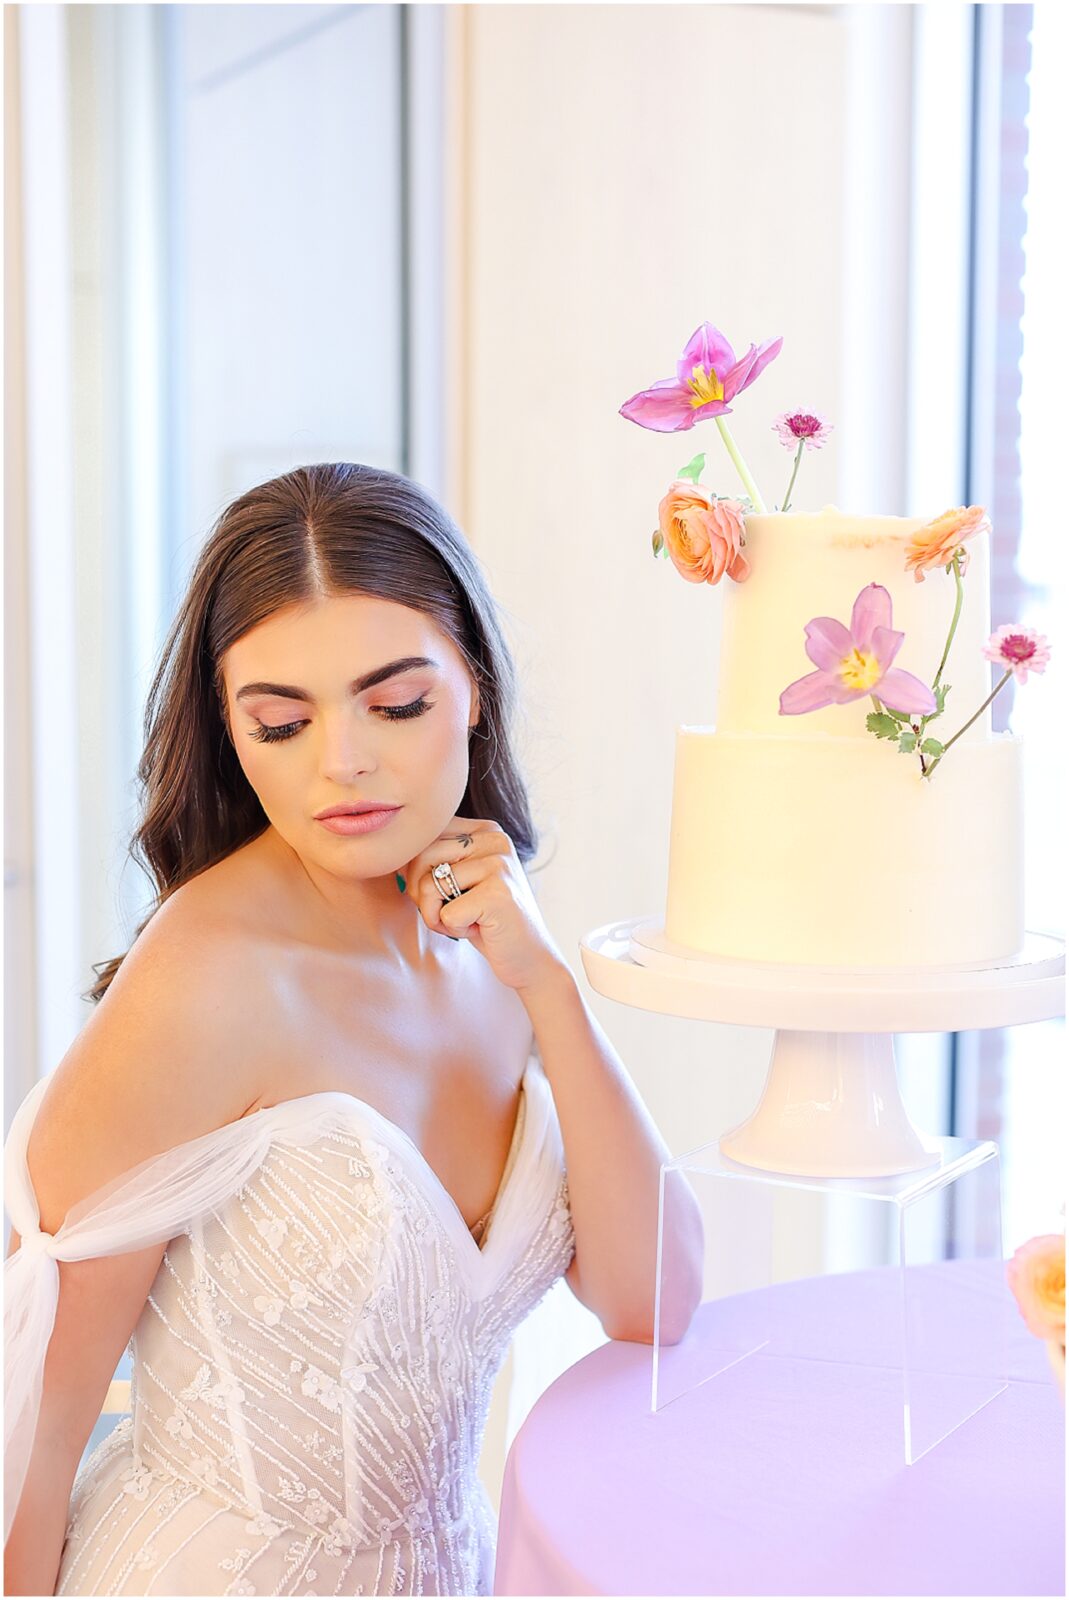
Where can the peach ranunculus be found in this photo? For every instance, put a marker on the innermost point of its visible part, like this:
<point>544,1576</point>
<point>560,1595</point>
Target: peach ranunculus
<point>935,543</point>
<point>704,537</point>
<point>1036,1274</point>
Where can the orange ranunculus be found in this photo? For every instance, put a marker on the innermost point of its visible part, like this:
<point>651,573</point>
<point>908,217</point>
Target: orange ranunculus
<point>1036,1275</point>
<point>703,536</point>
<point>935,543</point>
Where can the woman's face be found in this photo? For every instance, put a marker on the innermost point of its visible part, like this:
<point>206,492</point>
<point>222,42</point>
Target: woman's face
<point>309,737</point>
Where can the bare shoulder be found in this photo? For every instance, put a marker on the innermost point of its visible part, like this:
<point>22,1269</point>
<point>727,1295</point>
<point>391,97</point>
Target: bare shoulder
<point>160,1060</point>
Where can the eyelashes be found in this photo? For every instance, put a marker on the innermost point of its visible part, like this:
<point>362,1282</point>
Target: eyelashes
<point>268,735</point>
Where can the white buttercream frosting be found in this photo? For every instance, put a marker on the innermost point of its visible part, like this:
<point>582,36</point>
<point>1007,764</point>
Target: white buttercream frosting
<point>804,839</point>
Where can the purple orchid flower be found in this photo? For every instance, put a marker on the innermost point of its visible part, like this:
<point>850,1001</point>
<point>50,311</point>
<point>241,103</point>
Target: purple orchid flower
<point>707,377</point>
<point>856,661</point>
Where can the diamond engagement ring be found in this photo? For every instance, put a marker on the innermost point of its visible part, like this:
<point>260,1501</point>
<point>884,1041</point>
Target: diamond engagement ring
<point>445,881</point>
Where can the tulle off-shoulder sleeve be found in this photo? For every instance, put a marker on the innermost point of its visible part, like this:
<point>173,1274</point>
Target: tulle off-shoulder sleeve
<point>148,1204</point>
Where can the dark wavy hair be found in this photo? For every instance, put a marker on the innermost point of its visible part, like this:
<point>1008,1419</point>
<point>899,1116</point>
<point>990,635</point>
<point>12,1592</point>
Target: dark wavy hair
<point>332,529</point>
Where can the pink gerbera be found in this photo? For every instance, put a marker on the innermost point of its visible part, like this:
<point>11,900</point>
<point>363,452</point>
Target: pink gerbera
<point>1020,650</point>
<point>802,427</point>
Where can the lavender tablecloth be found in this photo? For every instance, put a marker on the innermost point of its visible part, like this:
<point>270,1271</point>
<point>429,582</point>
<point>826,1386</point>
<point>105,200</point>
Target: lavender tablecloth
<point>782,1476</point>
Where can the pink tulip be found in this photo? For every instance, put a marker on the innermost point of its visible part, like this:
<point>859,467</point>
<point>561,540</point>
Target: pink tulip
<point>707,378</point>
<point>856,661</point>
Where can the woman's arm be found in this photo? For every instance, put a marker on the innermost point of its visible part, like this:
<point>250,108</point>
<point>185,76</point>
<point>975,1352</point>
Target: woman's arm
<point>99,1304</point>
<point>613,1153</point>
<point>158,1063</point>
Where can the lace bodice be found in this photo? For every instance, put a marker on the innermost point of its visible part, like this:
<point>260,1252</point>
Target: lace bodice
<point>313,1365</point>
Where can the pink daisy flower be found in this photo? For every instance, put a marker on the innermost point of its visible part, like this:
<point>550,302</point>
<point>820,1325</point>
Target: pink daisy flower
<point>1021,650</point>
<point>802,427</point>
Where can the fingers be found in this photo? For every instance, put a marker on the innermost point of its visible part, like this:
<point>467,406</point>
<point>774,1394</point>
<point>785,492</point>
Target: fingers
<point>429,899</point>
<point>463,839</point>
<point>466,845</point>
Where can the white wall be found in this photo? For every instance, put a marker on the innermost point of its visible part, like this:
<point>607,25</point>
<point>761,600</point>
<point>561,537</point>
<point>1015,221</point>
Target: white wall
<point>611,212</point>
<point>702,166</point>
<point>42,746</point>
<point>20,968</point>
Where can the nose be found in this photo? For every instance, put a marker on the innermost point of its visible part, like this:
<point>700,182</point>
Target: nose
<point>348,747</point>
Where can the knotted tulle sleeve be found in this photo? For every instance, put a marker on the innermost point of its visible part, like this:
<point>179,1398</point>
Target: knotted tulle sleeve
<point>148,1204</point>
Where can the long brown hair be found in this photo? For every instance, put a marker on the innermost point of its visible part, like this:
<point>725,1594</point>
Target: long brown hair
<point>331,529</point>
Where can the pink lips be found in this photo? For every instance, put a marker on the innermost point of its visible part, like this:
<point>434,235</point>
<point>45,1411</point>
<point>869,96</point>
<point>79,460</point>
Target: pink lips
<point>353,822</point>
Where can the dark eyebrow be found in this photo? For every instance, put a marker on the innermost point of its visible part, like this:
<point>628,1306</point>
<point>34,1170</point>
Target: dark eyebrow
<point>288,691</point>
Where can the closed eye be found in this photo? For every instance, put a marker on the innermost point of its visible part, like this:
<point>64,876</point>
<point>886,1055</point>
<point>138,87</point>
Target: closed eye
<point>266,734</point>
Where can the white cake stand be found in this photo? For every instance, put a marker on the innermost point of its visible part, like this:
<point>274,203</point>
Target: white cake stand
<point>831,1105</point>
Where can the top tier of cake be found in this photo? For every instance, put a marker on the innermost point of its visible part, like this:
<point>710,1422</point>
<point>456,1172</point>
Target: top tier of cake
<point>812,566</point>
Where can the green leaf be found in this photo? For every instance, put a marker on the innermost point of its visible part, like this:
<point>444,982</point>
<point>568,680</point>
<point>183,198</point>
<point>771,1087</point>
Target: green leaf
<point>941,698</point>
<point>742,499</point>
<point>931,747</point>
<point>658,540</point>
<point>907,742</point>
<point>883,726</point>
<point>693,469</point>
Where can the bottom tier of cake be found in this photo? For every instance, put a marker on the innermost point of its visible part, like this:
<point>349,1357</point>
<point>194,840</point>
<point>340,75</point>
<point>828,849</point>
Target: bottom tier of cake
<point>836,852</point>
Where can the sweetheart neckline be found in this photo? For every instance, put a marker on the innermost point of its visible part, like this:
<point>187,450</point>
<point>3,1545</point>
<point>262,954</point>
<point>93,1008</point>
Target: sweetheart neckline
<point>481,1267</point>
<point>518,1144</point>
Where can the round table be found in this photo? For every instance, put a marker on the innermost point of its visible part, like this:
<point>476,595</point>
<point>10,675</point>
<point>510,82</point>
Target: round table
<point>778,1478</point>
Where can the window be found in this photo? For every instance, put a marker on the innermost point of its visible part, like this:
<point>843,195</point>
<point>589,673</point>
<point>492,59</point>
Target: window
<point>1008,1084</point>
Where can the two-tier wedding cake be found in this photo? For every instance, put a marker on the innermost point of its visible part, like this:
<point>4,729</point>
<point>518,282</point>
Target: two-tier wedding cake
<point>850,806</point>
<point>804,839</point>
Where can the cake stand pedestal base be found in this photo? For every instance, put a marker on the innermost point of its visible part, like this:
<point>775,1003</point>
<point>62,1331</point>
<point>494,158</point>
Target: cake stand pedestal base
<point>831,1106</point>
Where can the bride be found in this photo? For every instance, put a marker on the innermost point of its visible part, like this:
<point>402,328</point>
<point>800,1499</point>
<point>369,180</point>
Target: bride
<point>341,1116</point>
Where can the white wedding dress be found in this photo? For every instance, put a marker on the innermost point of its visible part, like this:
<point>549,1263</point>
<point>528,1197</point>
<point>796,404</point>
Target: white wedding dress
<point>313,1366</point>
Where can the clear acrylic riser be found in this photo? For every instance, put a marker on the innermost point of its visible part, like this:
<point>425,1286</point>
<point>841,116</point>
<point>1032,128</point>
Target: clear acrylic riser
<point>878,1219</point>
<point>924,1346</point>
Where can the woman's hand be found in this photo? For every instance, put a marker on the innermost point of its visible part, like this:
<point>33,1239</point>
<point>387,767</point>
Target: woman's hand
<point>496,910</point>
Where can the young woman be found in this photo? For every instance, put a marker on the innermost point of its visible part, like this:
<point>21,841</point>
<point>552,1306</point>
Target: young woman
<point>341,1116</point>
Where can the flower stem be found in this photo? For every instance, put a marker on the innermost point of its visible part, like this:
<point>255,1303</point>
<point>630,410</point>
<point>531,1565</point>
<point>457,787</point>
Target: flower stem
<point>740,466</point>
<point>959,596</point>
<point>797,463</point>
<point>966,726</point>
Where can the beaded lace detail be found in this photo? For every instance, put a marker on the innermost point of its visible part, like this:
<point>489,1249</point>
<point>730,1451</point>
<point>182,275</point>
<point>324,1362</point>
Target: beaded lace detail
<point>312,1372</point>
